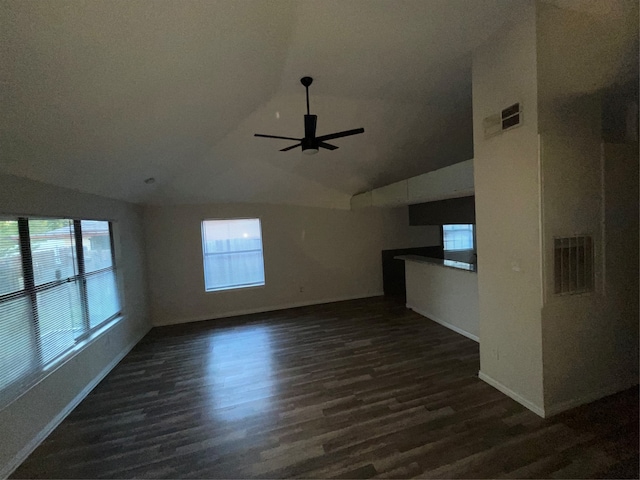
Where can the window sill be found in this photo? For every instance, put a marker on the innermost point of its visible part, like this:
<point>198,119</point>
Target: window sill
<point>230,289</point>
<point>14,393</point>
<point>82,344</point>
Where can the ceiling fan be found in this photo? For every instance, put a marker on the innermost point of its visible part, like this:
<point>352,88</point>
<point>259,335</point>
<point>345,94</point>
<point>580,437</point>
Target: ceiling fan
<point>310,143</point>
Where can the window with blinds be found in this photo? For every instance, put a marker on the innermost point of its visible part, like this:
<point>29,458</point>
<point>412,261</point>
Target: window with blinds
<point>57,283</point>
<point>232,252</point>
<point>457,237</point>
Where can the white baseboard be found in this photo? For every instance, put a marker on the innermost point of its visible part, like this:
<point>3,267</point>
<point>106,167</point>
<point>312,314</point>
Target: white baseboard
<point>273,308</point>
<point>28,449</point>
<point>510,393</point>
<point>444,324</point>
<point>559,407</point>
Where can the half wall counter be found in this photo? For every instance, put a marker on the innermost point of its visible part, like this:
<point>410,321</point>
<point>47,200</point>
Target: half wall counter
<point>445,291</point>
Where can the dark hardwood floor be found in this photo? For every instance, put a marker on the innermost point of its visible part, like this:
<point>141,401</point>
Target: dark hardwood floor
<point>353,389</point>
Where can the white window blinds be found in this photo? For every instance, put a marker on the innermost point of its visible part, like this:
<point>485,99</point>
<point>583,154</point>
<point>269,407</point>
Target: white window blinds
<point>457,237</point>
<point>57,282</point>
<point>232,251</point>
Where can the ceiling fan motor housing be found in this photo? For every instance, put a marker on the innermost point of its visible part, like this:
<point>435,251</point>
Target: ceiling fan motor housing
<point>309,144</point>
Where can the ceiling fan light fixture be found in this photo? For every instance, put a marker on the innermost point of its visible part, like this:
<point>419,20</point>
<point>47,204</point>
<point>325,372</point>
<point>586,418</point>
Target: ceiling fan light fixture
<point>309,145</point>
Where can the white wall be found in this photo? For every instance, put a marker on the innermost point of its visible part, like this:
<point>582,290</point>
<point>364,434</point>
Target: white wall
<point>332,254</point>
<point>582,51</point>
<point>507,190</point>
<point>445,295</point>
<point>590,341</point>
<point>25,421</point>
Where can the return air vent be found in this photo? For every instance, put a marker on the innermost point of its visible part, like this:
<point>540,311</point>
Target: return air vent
<point>507,119</point>
<point>573,265</point>
<point>511,117</point>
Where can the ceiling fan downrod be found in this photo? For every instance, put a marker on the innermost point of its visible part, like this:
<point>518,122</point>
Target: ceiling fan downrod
<point>307,81</point>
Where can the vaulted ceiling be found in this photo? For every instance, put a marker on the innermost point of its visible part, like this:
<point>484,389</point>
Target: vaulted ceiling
<point>100,95</point>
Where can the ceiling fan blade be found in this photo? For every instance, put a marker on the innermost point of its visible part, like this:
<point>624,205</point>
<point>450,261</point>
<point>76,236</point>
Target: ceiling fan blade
<point>328,146</point>
<point>310,122</point>
<point>346,133</point>
<point>291,147</point>
<point>275,136</point>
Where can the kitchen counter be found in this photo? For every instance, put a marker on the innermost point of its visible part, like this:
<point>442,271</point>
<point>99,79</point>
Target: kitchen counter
<point>469,267</point>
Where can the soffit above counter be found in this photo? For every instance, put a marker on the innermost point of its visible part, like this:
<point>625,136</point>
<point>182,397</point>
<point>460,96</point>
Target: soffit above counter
<point>449,182</point>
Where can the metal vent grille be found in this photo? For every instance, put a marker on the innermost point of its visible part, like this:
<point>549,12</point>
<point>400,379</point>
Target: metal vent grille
<point>508,118</point>
<point>573,265</point>
<point>511,116</point>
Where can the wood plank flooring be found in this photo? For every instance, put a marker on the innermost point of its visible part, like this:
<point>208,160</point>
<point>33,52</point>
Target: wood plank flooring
<point>356,389</point>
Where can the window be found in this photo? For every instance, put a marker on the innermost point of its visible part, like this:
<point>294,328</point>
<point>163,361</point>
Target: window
<point>232,251</point>
<point>457,237</point>
<point>57,283</point>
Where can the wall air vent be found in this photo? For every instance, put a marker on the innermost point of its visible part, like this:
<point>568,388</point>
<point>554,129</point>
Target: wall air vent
<point>573,265</point>
<point>507,119</point>
<point>511,117</point>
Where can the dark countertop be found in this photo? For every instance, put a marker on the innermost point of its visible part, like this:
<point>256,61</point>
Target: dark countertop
<point>468,267</point>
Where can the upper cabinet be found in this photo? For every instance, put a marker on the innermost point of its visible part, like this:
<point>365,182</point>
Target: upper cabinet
<point>448,182</point>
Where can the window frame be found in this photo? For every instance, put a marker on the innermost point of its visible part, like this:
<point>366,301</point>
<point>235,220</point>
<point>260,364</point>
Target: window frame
<point>205,254</point>
<point>39,366</point>
<point>473,238</point>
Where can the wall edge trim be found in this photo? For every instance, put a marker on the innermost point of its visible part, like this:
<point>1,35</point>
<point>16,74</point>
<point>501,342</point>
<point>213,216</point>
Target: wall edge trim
<point>249,311</point>
<point>448,325</point>
<point>35,442</point>
<point>510,393</point>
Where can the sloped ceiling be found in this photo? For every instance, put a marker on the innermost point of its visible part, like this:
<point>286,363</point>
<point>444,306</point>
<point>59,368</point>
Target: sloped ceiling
<point>99,95</point>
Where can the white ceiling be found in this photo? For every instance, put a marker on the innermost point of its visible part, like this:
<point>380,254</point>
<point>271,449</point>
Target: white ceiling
<point>99,95</point>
